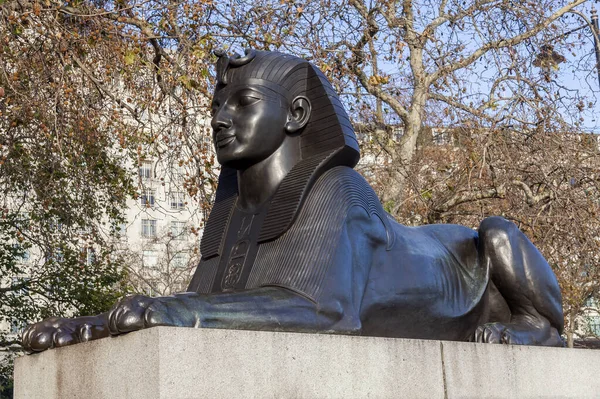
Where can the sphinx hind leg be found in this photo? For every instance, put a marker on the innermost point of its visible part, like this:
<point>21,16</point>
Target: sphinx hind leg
<point>525,281</point>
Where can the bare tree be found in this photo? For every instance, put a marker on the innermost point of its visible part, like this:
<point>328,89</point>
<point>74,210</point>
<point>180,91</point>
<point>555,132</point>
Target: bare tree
<point>410,64</point>
<point>163,266</point>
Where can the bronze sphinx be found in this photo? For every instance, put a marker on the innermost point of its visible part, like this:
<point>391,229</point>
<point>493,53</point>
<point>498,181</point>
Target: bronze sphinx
<point>297,240</point>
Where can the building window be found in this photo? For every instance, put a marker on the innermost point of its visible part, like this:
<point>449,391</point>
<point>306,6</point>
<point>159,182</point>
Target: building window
<point>148,228</point>
<point>147,197</point>
<point>177,200</point>
<point>150,259</point>
<point>22,220</point>
<point>146,170</point>
<point>90,257</point>
<point>440,136</point>
<point>180,260</point>
<point>56,226</point>
<point>119,230</point>
<point>590,302</point>
<point>20,286</point>
<point>152,288</point>
<point>21,253</point>
<point>179,286</point>
<point>55,256</point>
<point>178,173</point>
<point>87,230</point>
<point>594,325</point>
<point>178,230</point>
<point>17,327</point>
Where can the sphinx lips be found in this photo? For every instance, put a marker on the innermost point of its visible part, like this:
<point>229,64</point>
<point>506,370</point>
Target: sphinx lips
<point>223,141</point>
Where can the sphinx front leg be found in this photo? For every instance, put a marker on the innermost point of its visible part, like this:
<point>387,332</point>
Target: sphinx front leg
<point>526,283</point>
<point>268,308</point>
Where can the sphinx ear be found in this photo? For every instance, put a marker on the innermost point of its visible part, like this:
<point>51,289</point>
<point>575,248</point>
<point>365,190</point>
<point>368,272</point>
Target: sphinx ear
<point>299,114</point>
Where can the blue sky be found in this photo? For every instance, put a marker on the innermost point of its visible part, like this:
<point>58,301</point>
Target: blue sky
<point>584,81</point>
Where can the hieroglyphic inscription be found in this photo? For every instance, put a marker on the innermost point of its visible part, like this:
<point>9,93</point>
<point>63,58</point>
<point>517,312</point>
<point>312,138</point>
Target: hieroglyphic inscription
<point>239,251</point>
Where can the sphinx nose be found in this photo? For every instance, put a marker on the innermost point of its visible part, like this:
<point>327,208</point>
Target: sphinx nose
<point>221,120</point>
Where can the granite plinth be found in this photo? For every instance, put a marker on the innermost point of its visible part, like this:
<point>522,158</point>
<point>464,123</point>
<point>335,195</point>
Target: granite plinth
<point>178,363</point>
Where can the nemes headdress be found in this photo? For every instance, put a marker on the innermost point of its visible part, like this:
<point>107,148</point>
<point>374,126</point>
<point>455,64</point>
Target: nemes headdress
<point>327,140</point>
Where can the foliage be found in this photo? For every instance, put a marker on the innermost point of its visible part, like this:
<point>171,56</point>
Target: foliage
<point>6,379</point>
<point>85,97</point>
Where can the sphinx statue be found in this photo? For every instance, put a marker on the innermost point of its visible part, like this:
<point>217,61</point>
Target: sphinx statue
<point>298,241</point>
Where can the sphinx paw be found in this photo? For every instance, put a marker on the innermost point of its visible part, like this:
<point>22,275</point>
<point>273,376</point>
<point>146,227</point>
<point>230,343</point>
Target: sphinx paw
<point>128,314</point>
<point>51,333</point>
<point>494,333</point>
<point>518,334</point>
<point>56,332</point>
<point>138,312</point>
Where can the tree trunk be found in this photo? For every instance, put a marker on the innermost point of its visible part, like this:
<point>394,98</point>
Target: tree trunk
<point>407,148</point>
<point>570,328</point>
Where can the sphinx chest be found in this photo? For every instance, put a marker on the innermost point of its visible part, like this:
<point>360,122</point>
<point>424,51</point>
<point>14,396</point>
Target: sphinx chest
<point>239,251</point>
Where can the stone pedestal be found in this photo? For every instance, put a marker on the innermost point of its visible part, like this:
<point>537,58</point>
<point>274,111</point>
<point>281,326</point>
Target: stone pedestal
<point>178,363</point>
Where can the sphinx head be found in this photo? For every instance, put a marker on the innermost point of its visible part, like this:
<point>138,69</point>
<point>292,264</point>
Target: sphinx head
<point>262,100</point>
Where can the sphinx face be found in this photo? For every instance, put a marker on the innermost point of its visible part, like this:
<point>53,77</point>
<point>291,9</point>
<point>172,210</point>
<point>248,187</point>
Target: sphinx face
<point>248,124</point>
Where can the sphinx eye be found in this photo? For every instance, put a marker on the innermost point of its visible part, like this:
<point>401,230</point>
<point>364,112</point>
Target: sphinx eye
<point>247,100</point>
<point>214,108</point>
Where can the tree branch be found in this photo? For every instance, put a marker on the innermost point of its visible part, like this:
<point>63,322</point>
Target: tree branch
<point>103,90</point>
<point>358,58</point>
<point>474,111</point>
<point>470,196</point>
<point>498,44</point>
<point>531,198</point>
<point>445,17</point>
